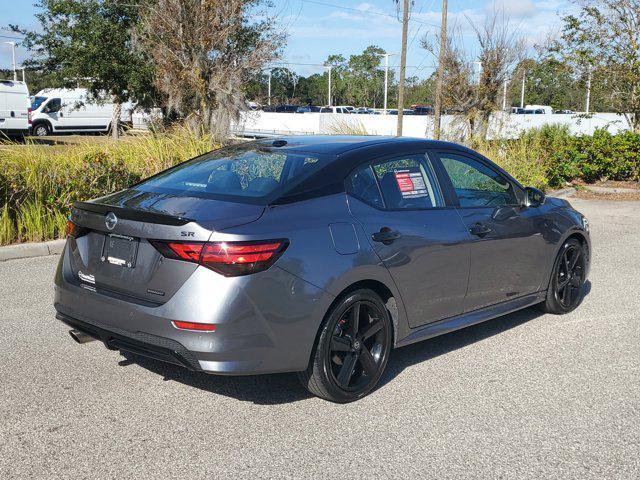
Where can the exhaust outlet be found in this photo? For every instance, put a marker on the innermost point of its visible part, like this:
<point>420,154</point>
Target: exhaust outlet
<point>80,337</point>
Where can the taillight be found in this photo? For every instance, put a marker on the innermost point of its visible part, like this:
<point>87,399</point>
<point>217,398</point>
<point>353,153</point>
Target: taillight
<point>200,327</point>
<point>230,259</point>
<point>74,230</point>
<point>30,115</point>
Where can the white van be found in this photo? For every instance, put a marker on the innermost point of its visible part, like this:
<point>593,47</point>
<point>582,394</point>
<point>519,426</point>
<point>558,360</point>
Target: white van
<point>72,110</point>
<point>14,108</point>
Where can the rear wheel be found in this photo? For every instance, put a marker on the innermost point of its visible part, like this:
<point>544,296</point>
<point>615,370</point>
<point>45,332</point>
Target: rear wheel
<point>352,350</point>
<point>567,280</point>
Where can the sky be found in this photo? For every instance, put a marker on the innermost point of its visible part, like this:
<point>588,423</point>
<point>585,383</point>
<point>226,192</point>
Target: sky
<point>319,28</point>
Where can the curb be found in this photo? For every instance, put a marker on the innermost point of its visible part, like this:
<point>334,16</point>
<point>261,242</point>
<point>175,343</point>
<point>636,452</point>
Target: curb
<point>31,250</point>
<point>563,192</point>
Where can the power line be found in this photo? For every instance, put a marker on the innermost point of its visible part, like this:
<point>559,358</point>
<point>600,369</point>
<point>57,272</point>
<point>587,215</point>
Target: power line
<point>365,12</point>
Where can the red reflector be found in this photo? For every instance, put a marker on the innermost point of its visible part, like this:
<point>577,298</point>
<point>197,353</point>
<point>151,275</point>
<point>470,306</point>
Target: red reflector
<point>238,254</point>
<point>202,327</point>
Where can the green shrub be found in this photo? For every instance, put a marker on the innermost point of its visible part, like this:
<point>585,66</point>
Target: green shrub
<point>551,156</point>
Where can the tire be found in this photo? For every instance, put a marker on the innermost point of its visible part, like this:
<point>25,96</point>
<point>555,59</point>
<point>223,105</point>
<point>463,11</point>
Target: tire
<point>41,130</point>
<point>566,286</point>
<point>347,362</point>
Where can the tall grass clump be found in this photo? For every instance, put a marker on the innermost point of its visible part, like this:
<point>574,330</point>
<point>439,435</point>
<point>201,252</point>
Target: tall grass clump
<point>40,183</point>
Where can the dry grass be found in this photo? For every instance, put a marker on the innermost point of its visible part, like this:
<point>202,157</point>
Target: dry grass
<point>39,183</point>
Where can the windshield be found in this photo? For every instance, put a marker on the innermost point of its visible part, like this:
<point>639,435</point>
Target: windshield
<point>249,173</point>
<point>36,102</point>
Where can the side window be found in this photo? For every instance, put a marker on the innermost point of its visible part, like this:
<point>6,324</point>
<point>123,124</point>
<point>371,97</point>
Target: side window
<point>363,185</point>
<point>408,182</point>
<point>54,105</point>
<point>477,185</point>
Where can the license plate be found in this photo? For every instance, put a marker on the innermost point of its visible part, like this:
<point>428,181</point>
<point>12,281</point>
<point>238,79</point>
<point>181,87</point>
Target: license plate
<point>120,250</point>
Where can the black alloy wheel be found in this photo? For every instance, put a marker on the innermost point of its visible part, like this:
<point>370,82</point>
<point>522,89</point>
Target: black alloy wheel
<point>352,350</point>
<point>570,277</point>
<point>567,280</point>
<point>357,343</point>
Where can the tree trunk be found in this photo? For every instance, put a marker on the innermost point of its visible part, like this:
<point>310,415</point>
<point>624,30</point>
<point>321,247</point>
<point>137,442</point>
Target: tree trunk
<point>115,120</point>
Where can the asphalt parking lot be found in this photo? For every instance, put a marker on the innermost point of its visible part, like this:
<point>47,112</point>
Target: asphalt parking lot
<point>523,396</point>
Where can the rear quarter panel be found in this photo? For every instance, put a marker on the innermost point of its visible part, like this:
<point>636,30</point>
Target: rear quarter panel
<point>319,254</point>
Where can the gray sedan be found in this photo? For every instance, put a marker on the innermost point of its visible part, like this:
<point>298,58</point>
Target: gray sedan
<point>316,255</point>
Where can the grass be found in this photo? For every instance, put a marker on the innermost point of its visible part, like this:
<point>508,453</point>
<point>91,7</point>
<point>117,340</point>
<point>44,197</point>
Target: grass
<point>39,183</point>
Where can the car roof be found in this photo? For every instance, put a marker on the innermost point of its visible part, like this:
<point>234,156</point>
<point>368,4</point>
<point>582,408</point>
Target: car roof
<point>349,152</point>
<point>340,144</point>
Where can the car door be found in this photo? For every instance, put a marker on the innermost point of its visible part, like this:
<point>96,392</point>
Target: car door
<point>421,241</point>
<point>53,111</point>
<point>506,237</point>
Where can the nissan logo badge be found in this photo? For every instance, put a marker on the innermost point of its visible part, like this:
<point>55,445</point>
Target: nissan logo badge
<point>111,221</point>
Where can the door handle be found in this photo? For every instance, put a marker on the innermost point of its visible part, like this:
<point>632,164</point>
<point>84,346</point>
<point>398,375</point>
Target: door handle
<point>386,236</point>
<point>479,229</point>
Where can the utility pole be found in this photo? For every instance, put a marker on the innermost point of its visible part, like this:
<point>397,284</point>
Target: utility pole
<point>329,90</point>
<point>23,76</point>
<point>440,73</point>
<point>524,76</point>
<point>269,94</point>
<point>588,91</point>
<point>13,49</point>
<point>403,65</point>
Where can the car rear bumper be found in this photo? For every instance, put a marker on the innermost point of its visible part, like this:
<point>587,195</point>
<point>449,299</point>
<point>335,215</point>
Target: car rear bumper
<point>140,343</point>
<point>264,323</point>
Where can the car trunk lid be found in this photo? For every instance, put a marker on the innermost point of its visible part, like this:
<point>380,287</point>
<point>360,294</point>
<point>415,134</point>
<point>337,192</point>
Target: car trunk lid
<point>114,254</point>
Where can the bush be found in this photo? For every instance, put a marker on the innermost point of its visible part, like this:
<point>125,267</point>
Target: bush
<point>551,156</point>
<point>40,183</point>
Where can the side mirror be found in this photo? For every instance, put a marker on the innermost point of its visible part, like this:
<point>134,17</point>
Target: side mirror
<point>534,197</point>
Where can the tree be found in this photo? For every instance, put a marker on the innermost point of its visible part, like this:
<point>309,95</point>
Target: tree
<point>89,42</point>
<point>477,97</point>
<point>604,38</point>
<point>366,79</point>
<point>204,52</point>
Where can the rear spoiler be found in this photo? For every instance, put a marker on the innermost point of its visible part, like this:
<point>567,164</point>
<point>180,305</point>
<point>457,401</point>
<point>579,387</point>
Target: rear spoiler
<point>133,214</point>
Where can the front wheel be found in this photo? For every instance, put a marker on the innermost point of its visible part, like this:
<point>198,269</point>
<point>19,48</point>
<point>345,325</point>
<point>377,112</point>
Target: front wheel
<point>567,279</point>
<point>41,130</point>
<point>352,350</point>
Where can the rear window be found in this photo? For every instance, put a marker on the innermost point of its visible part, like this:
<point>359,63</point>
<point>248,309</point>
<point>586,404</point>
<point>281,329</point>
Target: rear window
<point>251,174</point>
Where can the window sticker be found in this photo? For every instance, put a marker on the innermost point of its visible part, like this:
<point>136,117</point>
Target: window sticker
<point>411,183</point>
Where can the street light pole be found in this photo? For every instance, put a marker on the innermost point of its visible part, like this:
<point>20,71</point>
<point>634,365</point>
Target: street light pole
<point>588,91</point>
<point>524,77</point>
<point>329,88</point>
<point>386,80</point>
<point>504,96</point>
<point>269,93</point>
